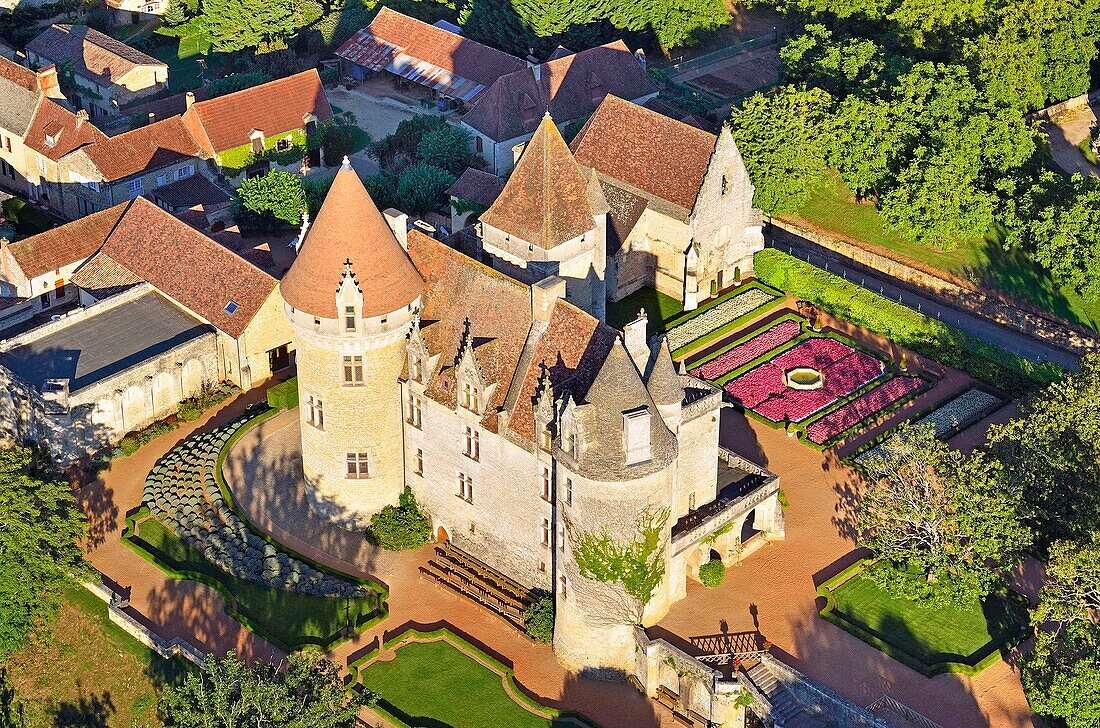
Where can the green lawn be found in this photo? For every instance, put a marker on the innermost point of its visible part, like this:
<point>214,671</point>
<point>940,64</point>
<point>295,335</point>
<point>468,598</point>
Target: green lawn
<point>290,620</point>
<point>658,307</point>
<point>181,49</point>
<point>981,260</point>
<point>931,635</point>
<point>434,683</point>
<point>106,677</point>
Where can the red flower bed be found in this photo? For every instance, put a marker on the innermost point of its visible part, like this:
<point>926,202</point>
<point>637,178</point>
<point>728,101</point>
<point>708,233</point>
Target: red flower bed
<point>861,408</point>
<point>746,351</point>
<point>795,405</point>
<point>851,373</point>
<point>817,353</point>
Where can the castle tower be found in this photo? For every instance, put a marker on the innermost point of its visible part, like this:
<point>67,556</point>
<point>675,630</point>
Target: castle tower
<point>617,461</point>
<point>350,296</point>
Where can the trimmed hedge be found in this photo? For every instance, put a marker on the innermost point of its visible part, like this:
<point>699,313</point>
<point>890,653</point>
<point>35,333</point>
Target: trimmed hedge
<point>903,325</point>
<point>400,527</point>
<point>712,573</point>
<point>285,395</point>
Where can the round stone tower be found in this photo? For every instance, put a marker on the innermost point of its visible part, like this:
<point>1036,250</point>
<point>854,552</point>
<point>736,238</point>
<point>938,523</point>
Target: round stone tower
<point>350,296</point>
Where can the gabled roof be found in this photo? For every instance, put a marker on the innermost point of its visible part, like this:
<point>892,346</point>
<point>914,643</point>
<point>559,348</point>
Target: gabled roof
<point>18,96</point>
<point>65,245</point>
<point>392,34</point>
<point>647,150</point>
<point>147,147</point>
<point>546,200</point>
<point>349,228</point>
<point>68,131</point>
<point>275,107</point>
<point>569,87</point>
<point>89,53</point>
<point>477,186</point>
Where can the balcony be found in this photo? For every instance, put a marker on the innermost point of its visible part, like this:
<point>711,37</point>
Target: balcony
<point>742,485</point>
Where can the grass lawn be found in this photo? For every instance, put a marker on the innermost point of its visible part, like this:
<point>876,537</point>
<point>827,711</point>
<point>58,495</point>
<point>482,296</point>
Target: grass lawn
<point>286,618</point>
<point>434,683</point>
<point>931,635</point>
<point>84,670</point>
<point>981,260</point>
<point>658,307</point>
<point>182,48</point>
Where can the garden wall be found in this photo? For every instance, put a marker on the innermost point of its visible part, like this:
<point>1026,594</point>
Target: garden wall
<point>952,290</point>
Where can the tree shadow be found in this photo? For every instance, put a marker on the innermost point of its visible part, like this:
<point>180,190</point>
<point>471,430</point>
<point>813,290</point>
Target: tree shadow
<point>849,489</point>
<point>90,710</point>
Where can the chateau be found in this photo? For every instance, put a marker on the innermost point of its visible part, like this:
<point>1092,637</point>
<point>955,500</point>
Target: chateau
<point>519,419</point>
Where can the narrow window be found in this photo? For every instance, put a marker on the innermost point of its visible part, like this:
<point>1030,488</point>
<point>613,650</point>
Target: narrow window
<point>419,461</point>
<point>315,411</point>
<point>563,587</point>
<point>469,396</point>
<point>353,371</point>
<point>546,440</point>
<point>357,465</point>
<point>691,501</point>
<point>416,368</point>
<point>725,185</point>
<point>568,491</point>
<point>473,445</point>
<point>414,410</point>
<point>349,318</point>
<point>466,487</point>
<point>546,532</point>
<point>561,538</point>
<point>545,483</point>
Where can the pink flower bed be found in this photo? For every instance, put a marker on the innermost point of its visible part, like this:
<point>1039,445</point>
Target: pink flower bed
<point>763,389</point>
<point>861,408</point>
<point>746,351</point>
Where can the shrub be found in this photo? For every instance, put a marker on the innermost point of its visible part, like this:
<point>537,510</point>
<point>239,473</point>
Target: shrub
<point>538,620</point>
<point>400,527</point>
<point>284,395</point>
<point>235,82</point>
<point>712,573</point>
<point>133,441</point>
<point>193,408</point>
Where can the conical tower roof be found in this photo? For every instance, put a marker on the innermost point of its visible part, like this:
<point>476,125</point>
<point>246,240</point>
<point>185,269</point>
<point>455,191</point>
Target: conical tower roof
<point>349,228</point>
<point>664,383</point>
<point>546,199</point>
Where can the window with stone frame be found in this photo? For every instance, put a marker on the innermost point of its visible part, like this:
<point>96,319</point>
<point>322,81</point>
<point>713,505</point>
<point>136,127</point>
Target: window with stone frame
<point>546,483</point>
<point>546,439</point>
<point>564,589</point>
<point>636,434</point>
<point>416,367</point>
<point>561,538</point>
<point>315,411</point>
<point>546,532</point>
<point>353,370</point>
<point>568,487</point>
<point>418,463</point>
<point>470,396</point>
<point>358,465</point>
<point>415,407</point>
<point>349,318</point>
<point>466,487</point>
<point>472,443</point>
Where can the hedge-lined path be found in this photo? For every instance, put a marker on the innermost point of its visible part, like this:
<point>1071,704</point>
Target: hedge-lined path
<point>774,591</point>
<point>267,459</point>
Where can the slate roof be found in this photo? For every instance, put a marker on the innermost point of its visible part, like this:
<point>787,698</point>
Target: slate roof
<point>647,150</point>
<point>662,380</point>
<point>570,87</point>
<point>148,147</point>
<point>546,200</point>
<point>105,343</point>
<point>626,209</point>
<point>66,244</point>
<point>275,107</point>
<point>89,53</point>
<point>477,186</point>
<point>18,96</point>
<point>349,227</point>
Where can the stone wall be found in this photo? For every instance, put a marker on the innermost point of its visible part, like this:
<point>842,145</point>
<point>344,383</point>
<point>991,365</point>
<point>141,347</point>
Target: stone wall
<point>167,649</point>
<point>953,291</point>
<point>1077,103</point>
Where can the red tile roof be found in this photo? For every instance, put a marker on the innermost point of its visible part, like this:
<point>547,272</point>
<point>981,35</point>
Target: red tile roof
<point>147,147</point>
<point>349,227</point>
<point>275,107</point>
<point>477,186</point>
<point>647,150</point>
<point>19,75</point>
<point>67,244</point>
<point>68,131</point>
<point>570,87</point>
<point>545,201</point>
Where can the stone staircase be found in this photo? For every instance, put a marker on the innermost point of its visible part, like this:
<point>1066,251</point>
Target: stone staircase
<point>787,712</point>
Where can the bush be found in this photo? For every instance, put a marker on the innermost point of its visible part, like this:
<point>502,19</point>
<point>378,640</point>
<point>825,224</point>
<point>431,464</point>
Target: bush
<point>400,527</point>
<point>538,620</point>
<point>712,573</point>
<point>284,395</point>
<point>133,441</point>
<point>193,408</point>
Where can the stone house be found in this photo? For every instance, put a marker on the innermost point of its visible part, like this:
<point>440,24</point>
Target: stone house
<point>569,87</point>
<point>101,74</point>
<point>518,420</point>
<point>21,93</point>
<point>249,131</point>
<point>132,12</point>
<point>681,218</point>
<point>471,195</point>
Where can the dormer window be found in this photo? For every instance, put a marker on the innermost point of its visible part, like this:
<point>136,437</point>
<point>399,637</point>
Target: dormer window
<point>546,439</point>
<point>283,144</point>
<point>636,434</point>
<point>470,396</point>
<point>572,444</point>
<point>349,318</point>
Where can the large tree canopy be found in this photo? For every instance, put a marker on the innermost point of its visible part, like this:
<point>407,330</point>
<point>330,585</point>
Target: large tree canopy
<point>234,25</point>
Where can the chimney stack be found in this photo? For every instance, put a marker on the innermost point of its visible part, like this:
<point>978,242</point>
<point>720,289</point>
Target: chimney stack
<point>636,340</point>
<point>544,295</point>
<point>639,56</point>
<point>81,117</point>
<point>47,82</point>
<point>190,97</point>
<point>399,223</point>
<point>152,117</point>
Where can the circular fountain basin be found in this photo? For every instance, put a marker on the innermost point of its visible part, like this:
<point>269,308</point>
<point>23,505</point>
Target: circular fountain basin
<point>804,378</point>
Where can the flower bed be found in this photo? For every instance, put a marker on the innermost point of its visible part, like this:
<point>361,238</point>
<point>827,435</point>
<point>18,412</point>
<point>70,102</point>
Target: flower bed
<point>962,411</point>
<point>844,418</point>
<point>716,317</point>
<point>764,390</point>
<point>745,352</point>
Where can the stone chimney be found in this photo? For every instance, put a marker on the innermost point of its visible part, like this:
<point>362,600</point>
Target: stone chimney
<point>637,341</point>
<point>536,70</point>
<point>399,223</point>
<point>81,117</point>
<point>544,295</point>
<point>152,118</point>
<point>190,98</point>
<point>639,56</point>
<point>47,82</point>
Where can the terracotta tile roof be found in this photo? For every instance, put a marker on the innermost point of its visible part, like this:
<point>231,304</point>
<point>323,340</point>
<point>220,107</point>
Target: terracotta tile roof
<point>392,33</point>
<point>89,53</point>
<point>19,75</point>
<point>570,87</point>
<point>477,186</point>
<point>18,96</point>
<point>188,266</point>
<point>647,150</point>
<point>192,191</point>
<point>546,199</point>
<point>66,244</point>
<point>173,105</point>
<point>275,107</point>
<point>103,276</point>
<point>147,147</point>
<point>349,227</point>
<point>68,131</point>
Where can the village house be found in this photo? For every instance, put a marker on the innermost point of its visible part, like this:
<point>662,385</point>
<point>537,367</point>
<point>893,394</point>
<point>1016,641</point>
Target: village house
<point>430,56</point>
<point>132,12</point>
<point>272,124</point>
<point>100,74</point>
<point>21,92</point>
<point>570,87</point>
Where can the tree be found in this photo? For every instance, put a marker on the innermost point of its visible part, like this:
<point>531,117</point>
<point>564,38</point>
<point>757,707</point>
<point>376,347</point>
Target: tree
<point>176,14</point>
<point>1061,676</point>
<point>309,693</point>
<point>783,138</point>
<point>840,67</point>
<point>234,82</point>
<point>40,530</point>
<point>423,188</point>
<point>942,523</point>
<point>1052,452</point>
<point>234,25</point>
<point>538,619</point>
<point>449,148</point>
<point>276,198</point>
<point>400,527</point>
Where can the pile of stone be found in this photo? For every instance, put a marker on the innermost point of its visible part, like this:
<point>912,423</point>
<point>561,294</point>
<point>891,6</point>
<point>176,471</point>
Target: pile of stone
<point>182,493</point>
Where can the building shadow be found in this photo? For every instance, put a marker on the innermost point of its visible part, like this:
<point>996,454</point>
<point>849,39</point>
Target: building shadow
<point>736,434</point>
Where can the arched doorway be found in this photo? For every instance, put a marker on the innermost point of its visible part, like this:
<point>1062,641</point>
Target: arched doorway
<point>748,527</point>
<point>441,535</point>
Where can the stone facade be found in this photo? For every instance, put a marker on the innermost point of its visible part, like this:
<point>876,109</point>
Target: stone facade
<point>85,191</point>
